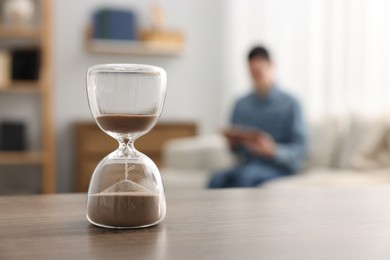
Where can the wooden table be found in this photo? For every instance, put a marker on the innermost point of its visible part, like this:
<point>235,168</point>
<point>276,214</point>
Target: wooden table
<point>328,223</point>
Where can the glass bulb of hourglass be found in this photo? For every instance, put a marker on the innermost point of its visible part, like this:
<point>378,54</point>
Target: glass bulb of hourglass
<point>126,189</point>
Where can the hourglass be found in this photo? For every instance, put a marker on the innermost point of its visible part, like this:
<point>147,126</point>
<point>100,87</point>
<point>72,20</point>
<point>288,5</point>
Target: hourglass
<point>126,189</point>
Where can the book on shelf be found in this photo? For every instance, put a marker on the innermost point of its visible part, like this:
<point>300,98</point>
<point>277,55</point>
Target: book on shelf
<point>114,24</point>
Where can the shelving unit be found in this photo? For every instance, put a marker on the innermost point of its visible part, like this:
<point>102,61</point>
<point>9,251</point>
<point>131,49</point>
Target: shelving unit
<point>45,158</point>
<point>22,87</point>
<point>19,32</point>
<point>21,158</point>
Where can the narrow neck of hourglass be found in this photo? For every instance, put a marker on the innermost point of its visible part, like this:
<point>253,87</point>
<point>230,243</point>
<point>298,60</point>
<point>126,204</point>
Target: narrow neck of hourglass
<point>126,148</point>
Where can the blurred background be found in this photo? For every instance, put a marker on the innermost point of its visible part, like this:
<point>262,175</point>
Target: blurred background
<point>333,55</point>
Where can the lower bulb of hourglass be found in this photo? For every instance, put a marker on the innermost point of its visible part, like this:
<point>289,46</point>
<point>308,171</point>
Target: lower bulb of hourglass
<point>126,193</point>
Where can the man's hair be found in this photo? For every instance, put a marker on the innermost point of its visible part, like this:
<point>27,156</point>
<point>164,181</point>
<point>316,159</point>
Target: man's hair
<point>259,52</point>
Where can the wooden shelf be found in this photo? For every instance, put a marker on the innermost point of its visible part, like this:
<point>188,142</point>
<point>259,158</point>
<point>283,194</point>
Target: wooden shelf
<point>22,87</point>
<point>133,47</point>
<point>19,32</point>
<point>21,158</point>
<point>39,36</point>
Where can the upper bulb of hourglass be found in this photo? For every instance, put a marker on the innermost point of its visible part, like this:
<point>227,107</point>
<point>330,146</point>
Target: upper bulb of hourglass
<point>126,100</point>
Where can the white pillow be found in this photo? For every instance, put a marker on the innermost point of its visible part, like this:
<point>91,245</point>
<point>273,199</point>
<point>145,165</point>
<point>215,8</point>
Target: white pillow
<point>365,145</point>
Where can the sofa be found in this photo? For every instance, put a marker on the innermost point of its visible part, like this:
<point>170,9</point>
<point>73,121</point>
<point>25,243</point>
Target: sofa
<point>347,151</point>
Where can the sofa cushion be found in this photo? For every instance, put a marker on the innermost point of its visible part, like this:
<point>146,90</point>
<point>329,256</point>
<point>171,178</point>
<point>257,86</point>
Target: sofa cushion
<point>206,152</point>
<point>323,137</point>
<point>332,178</point>
<point>364,146</point>
<point>181,179</point>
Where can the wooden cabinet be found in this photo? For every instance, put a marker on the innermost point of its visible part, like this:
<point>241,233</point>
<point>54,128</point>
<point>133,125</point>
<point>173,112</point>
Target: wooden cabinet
<point>92,144</point>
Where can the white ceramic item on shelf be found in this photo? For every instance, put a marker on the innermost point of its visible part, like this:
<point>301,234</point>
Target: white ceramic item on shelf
<point>18,12</point>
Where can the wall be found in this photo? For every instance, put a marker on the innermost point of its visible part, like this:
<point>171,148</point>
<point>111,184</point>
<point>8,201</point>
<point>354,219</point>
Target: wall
<point>194,79</point>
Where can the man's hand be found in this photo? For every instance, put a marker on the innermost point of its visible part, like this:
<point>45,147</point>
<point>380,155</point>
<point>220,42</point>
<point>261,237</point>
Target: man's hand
<point>232,138</point>
<point>261,144</point>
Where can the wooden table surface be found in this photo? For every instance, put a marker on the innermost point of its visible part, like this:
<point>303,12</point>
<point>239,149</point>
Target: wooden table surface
<point>326,223</point>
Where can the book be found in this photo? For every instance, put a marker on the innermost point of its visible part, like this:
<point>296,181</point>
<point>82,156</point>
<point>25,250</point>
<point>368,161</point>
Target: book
<point>114,24</point>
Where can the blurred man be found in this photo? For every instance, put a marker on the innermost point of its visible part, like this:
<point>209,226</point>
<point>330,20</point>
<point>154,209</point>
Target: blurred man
<point>268,132</point>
